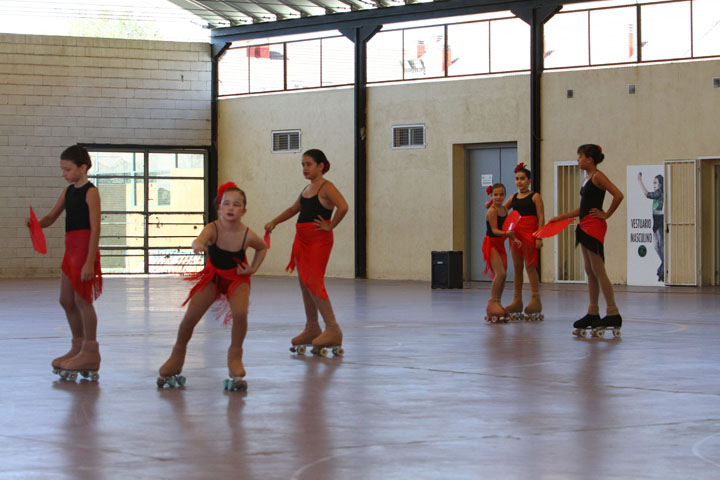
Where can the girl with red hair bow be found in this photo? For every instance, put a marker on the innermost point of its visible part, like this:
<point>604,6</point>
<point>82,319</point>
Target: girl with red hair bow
<point>524,252</point>
<point>311,251</point>
<point>494,254</point>
<point>226,278</point>
<point>590,235</point>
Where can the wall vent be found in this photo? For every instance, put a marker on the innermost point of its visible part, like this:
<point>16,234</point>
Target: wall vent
<point>716,82</point>
<point>408,136</point>
<point>286,141</point>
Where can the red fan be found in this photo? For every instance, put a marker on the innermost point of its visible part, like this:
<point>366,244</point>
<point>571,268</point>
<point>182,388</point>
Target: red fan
<point>553,228</point>
<point>36,234</point>
<point>511,221</point>
<point>267,238</point>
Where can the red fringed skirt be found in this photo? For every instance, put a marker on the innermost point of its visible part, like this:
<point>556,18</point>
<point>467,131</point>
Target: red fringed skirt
<point>310,253</point>
<point>77,243</point>
<point>225,280</point>
<point>590,233</point>
<point>490,244</point>
<point>524,232</point>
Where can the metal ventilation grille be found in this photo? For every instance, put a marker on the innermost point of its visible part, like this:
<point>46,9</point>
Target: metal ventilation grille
<point>409,136</point>
<point>286,141</point>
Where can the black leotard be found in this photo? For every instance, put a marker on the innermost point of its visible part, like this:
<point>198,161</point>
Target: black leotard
<point>77,213</point>
<point>500,221</point>
<point>591,196</point>
<point>311,207</point>
<point>524,206</point>
<point>224,259</point>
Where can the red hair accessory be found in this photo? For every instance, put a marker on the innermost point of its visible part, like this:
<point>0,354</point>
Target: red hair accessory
<point>599,148</point>
<point>222,188</point>
<point>489,190</point>
<point>518,167</point>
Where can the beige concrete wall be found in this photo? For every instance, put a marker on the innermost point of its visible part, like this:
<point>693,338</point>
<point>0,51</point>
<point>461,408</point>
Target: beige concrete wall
<point>673,115</point>
<point>58,91</point>
<point>272,181</point>
<point>411,209</point>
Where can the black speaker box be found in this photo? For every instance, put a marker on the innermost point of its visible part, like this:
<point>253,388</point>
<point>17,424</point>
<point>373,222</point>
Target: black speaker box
<point>447,269</point>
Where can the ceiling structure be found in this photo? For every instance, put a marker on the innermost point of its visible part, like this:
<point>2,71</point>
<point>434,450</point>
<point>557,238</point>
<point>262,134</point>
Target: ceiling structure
<point>234,20</point>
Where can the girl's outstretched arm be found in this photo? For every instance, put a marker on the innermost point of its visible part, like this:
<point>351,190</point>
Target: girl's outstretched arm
<point>566,215</point>
<point>55,212</point>
<point>206,237</point>
<point>258,244</point>
<point>287,214</point>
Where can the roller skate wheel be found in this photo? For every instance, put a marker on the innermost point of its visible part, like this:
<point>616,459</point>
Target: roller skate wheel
<point>301,350</point>
<point>160,382</point>
<point>84,374</point>
<point>56,370</point>
<point>601,333</point>
<point>487,320</point>
<point>292,349</point>
<point>616,332</point>
<point>181,381</point>
<point>171,381</point>
<point>323,352</point>
<point>338,352</point>
<point>94,377</point>
<point>72,377</point>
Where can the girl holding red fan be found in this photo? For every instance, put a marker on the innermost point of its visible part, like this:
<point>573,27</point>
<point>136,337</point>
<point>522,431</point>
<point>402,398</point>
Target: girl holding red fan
<point>226,277</point>
<point>529,205</point>
<point>494,254</point>
<point>81,277</point>
<point>311,251</point>
<point>590,234</point>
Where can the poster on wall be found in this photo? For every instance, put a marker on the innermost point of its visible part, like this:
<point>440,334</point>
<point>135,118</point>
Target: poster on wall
<point>645,200</point>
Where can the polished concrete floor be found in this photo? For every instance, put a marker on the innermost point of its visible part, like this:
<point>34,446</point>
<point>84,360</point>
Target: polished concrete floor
<point>426,389</point>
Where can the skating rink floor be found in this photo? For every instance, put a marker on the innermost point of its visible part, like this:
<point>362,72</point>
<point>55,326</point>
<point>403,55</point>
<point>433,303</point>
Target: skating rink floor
<point>426,389</point>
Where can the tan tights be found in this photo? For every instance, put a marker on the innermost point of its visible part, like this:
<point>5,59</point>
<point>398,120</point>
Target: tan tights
<point>598,280</point>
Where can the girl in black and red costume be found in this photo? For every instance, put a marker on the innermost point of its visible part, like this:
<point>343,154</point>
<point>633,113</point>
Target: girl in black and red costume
<point>226,277</point>
<point>81,277</point>
<point>311,249</point>
<point>590,235</point>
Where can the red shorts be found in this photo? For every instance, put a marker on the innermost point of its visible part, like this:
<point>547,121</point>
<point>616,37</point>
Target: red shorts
<point>77,243</point>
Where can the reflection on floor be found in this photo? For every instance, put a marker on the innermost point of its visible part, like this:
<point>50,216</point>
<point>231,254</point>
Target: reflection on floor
<point>426,390</point>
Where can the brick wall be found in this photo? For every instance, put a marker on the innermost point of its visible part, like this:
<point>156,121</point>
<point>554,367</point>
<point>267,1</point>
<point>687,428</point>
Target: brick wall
<point>58,91</point>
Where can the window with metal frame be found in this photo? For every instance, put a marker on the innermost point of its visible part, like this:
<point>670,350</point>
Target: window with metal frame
<point>153,204</point>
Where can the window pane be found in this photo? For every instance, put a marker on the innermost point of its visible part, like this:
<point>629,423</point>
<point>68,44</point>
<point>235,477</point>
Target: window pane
<point>509,45</point>
<point>122,261</point>
<point>124,229</point>
<point>174,230</point>
<point>384,57</point>
<point>173,195</point>
<point>266,68</point>
<point>176,164</point>
<point>303,64</point>
<point>338,61</point>
<point>468,48</point>
<point>174,260</point>
<point>612,35</point>
<point>233,72</point>
<point>706,28</point>
<point>117,163</point>
<point>566,40</point>
<point>424,52</point>
<point>120,194</point>
<point>665,30</point>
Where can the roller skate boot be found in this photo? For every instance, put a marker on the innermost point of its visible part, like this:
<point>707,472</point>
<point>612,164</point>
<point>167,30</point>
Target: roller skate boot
<point>329,341</point>
<point>495,313</point>
<point>170,370</point>
<point>609,322</point>
<point>74,350</point>
<point>86,363</point>
<point>533,311</point>
<point>514,310</point>
<point>583,325</point>
<point>301,343</point>
<point>236,371</point>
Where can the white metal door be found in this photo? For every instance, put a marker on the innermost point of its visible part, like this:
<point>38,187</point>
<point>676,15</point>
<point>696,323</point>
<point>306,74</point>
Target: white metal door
<point>681,226</point>
<point>569,266</point>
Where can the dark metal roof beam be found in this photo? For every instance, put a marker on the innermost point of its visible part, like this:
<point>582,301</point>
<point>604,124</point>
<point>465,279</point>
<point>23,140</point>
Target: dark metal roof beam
<point>204,7</point>
<point>420,11</point>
